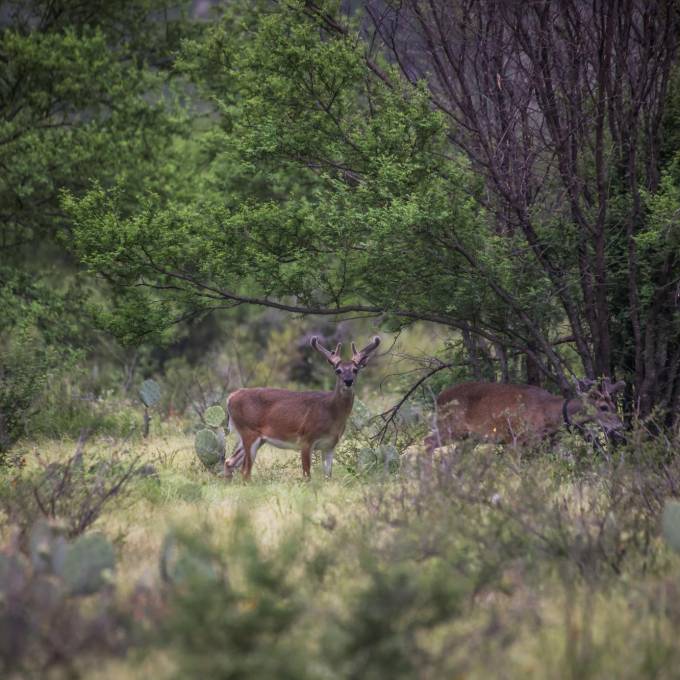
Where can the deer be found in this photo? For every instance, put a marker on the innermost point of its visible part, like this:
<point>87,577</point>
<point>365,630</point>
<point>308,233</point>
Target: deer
<point>519,414</point>
<point>286,419</point>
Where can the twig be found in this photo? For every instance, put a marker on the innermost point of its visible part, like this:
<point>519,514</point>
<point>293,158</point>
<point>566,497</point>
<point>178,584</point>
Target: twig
<point>391,413</point>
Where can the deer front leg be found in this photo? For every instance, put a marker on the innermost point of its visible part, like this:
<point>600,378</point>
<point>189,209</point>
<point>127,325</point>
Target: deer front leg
<point>306,454</point>
<point>328,463</point>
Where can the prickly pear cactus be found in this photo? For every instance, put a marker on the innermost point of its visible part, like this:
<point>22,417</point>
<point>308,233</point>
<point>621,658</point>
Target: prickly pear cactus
<point>208,448</point>
<point>214,416</point>
<point>381,457</point>
<point>150,393</point>
<point>670,524</point>
<point>88,565</point>
<point>47,547</point>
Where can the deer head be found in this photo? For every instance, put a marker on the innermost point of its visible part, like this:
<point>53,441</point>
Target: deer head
<point>346,371</point>
<point>600,396</point>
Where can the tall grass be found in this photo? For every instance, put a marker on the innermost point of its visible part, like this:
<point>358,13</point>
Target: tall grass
<point>481,563</point>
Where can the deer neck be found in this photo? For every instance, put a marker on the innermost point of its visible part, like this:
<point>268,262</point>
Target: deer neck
<point>575,412</point>
<point>342,397</point>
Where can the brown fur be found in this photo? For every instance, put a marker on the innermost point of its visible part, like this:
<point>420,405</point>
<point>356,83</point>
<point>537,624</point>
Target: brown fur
<point>514,413</point>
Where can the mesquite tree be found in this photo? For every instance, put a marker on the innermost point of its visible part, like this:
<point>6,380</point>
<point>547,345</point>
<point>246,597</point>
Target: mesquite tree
<point>561,106</point>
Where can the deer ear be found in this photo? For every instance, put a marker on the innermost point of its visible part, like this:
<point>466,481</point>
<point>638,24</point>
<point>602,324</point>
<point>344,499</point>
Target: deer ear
<point>615,387</point>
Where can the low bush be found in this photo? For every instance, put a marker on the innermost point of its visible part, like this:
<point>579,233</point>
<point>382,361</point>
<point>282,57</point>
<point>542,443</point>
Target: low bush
<point>234,612</point>
<point>74,492</point>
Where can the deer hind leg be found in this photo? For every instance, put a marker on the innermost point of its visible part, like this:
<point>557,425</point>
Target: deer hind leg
<point>235,461</point>
<point>243,456</point>
<point>251,443</point>
<point>306,454</point>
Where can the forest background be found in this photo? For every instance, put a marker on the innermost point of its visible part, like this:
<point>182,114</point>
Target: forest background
<point>168,171</point>
<point>189,191</point>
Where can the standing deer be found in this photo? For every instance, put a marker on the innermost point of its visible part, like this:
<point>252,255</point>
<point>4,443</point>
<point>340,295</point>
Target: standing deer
<point>519,413</point>
<point>295,420</point>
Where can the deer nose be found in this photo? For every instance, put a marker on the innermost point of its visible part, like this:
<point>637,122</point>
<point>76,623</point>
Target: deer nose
<point>349,382</point>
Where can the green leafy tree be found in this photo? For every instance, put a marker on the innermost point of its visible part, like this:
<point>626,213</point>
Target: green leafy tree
<point>84,93</point>
<point>365,177</point>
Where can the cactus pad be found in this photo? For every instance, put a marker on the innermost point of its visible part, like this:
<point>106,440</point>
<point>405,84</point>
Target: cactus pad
<point>150,393</point>
<point>47,547</point>
<point>208,448</point>
<point>88,564</point>
<point>214,416</point>
<point>670,524</point>
<point>375,458</point>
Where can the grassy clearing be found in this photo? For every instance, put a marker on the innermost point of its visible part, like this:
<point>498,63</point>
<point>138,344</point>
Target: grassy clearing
<point>484,564</point>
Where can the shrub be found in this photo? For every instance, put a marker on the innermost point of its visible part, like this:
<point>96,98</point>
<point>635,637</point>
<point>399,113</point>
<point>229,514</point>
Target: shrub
<point>44,625</point>
<point>26,363</point>
<point>234,619</point>
<point>73,492</point>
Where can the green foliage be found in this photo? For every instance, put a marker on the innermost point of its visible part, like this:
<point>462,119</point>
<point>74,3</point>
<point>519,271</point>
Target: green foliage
<point>184,561</point>
<point>381,457</point>
<point>323,240</point>
<point>225,626</point>
<point>36,344</point>
<point>65,409</point>
<point>71,493</point>
<point>359,451</point>
<point>84,96</point>
<point>88,564</point>
<point>385,630</point>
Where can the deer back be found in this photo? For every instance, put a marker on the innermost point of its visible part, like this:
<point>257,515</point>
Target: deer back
<point>495,411</point>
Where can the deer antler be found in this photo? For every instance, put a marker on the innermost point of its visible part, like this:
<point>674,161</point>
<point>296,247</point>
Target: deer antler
<point>360,358</point>
<point>331,357</point>
<point>584,385</point>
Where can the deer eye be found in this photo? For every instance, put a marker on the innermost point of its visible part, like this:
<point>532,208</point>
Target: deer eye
<point>604,407</point>
<point>355,370</point>
<point>338,371</point>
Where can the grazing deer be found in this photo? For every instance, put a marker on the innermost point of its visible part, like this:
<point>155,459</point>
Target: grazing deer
<point>295,420</point>
<point>519,413</point>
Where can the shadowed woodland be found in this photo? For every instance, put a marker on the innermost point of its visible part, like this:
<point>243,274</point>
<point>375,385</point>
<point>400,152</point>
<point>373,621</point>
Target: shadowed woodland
<point>191,192</point>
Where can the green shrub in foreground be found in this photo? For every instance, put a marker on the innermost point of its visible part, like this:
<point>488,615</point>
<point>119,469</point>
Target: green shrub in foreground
<point>233,625</point>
